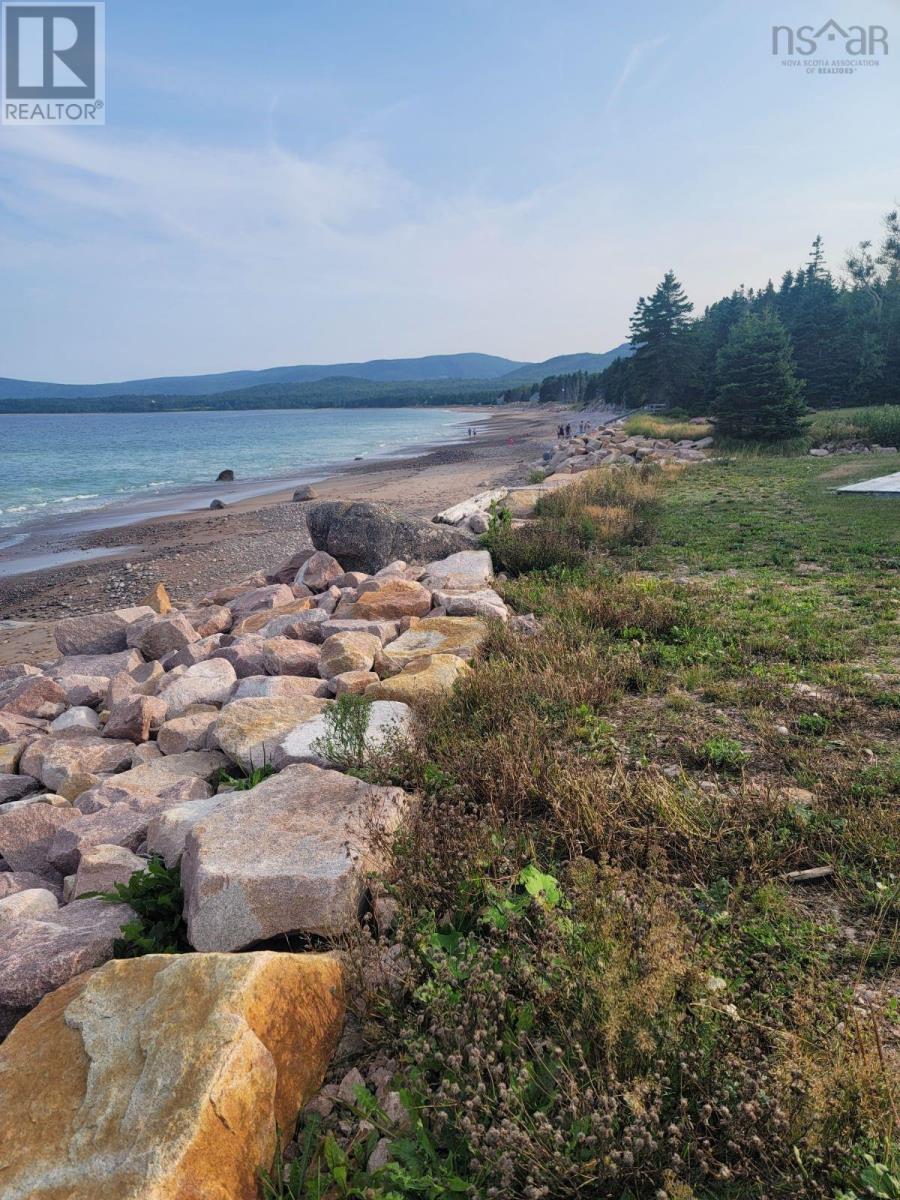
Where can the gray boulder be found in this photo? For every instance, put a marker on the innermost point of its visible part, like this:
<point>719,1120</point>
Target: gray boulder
<point>41,955</point>
<point>291,854</point>
<point>365,536</point>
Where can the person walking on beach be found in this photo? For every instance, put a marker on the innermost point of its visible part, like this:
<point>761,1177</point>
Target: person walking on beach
<point>568,430</point>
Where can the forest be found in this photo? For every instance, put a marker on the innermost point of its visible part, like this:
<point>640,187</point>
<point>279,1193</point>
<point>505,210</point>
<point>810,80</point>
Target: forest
<point>813,341</point>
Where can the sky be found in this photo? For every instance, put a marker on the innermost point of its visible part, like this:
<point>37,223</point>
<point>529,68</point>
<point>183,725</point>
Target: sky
<point>337,180</point>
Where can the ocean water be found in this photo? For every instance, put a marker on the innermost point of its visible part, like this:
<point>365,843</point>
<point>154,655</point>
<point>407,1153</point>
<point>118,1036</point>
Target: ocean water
<point>54,465</point>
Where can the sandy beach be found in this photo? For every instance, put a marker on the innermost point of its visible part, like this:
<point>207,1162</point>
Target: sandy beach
<point>105,562</point>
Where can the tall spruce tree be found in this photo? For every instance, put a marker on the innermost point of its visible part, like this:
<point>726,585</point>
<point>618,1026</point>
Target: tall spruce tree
<point>662,361</point>
<point>758,394</point>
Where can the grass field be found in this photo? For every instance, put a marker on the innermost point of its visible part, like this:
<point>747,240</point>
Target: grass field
<point>604,982</point>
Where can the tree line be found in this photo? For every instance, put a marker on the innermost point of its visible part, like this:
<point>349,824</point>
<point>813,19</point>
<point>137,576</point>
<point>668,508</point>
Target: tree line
<point>759,358</point>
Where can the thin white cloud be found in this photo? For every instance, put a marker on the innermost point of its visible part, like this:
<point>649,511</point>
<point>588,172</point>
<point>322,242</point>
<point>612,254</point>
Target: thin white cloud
<point>637,55</point>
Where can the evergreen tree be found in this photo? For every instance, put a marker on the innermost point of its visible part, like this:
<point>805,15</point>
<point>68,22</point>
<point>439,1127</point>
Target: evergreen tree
<point>758,394</point>
<point>662,353</point>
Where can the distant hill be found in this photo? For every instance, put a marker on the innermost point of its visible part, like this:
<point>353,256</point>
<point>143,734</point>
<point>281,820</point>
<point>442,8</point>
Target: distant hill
<point>435,379</point>
<point>337,392</point>
<point>563,364</point>
<point>433,366</point>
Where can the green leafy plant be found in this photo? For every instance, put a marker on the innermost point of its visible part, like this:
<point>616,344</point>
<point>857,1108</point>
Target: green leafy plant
<point>723,753</point>
<point>243,783</point>
<point>156,897</point>
<point>346,725</point>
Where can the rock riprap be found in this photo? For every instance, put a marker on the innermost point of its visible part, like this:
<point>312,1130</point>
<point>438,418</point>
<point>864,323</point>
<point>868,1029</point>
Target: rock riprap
<point>165,1077</point>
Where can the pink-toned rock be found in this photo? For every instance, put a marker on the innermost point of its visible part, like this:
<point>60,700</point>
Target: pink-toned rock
<point>97,633</point>
<point>351,579</point>
<point>17,732</point>
<point>389,599</point>
<point>133,719</point>
<point>328,601</point>
<point>344,652</point>
<point>385,631</point>
<point>123,824</point>
<point>106,665</point>
<point>210,682</point>
<point>354,682</point>
<point>246,656</point>
<point>14,787</point>
<point>270,596</point>
<point>291,854</point>
<point>287,656</point>
<point>158,636</point>
<point>192,769</point>
<point>40,955</point>
<point>189,732</point>
<point>143,680</point>
<point>102,867</point>
<point>32,696</point>
<point>196,652</point>
<point>30,904</point>
<point>260,621</point>
<point>27,833</point>
<point>279,687</point>
<point>87,690</point>
<point>104,795</point>
<point>10,671</point>
<point>61,762</point>
<point>21,881</point>
<point>287,572</point>
<point>319,571</point>
<point>248,730</point>
<point>209,619</point>
<point>304,626</point>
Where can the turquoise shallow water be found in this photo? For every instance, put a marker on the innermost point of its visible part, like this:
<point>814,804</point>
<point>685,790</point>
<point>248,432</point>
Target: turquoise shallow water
<point>54,465</point>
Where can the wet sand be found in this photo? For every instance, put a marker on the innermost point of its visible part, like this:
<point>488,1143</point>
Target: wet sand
<point>112,562</point>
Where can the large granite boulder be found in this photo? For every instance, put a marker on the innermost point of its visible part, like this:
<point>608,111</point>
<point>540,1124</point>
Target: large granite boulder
<point>190,732</point>
<point>64,763</point>
<point>102,866</point>
<point>467,570</point>
<point>291,854</point>
<point>348,652</point>
<point>168,1077</point>
<point>365,536</point>
<point>27,833</point>
<point>97,633</point>
<point>35,696</point>
<point>248,730</point>
<point>421,679</point>
<point>124,824</point>
<point>133,719</point>
<point>389,600</point>
<point>279,687</point>
<point>308,742</point>
<point>38,955</point>
<point>158,636</point>
<point>210,682</point>
<point>159,776</point>
<point>14,787</point>
<point>97,665</point>
<point>461,636</point>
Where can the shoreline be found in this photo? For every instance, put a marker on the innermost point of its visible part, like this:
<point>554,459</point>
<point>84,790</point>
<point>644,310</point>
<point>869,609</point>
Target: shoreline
<point>117,562</point>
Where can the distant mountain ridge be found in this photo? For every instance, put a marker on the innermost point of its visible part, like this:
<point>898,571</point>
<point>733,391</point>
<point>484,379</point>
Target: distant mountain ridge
<point>564,364</point>
<point>433,367</point>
